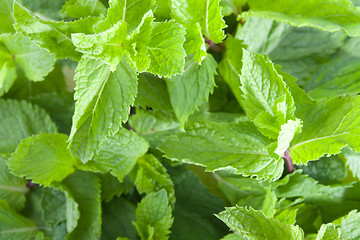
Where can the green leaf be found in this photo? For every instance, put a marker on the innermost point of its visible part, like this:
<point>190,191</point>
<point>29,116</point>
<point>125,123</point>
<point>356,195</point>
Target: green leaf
<point>151,176</point>
<point>112,187</point>
<point>82,8</point>
<point>118,154</point>
<point>195,43</point>
<point>266,98</point>
<point>232,236</point>
<point>85,189</point>
<point>328,232</point>
<point>152,92</point>
<point>15,226</point>
<point>130,11</point>
<point>286,135</point>
<point>54,36</point>
<point>7,70</point>
<point>195,208</point>
<point>252,224</point>
<point>348,225</point>
<point>103,101</point>
<point>206,13</point>
<point>5,16</point>
<point>327,15</point>
<point>154,126</point>
<point>22,121</point>
<point>44,8</point>
<point>231,64</point>
<point>34,61</point>
<point>117,218</point>
<point>106,45</point>
<point>166,51</point>
<point>237,146</point>
<point>190,89</point>
<point>43,158</point>
<point>153,216</point>
<point>328,126</point>
<point>352,161</point>
<point>337,78</point>
<point>12,188</point>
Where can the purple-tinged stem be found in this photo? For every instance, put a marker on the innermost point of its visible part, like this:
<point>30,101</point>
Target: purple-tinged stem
<point>31,184</point>
<point>288,160</point>
<point>214,47</point>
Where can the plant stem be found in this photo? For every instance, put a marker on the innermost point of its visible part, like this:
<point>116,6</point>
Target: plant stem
<point>288,160</point>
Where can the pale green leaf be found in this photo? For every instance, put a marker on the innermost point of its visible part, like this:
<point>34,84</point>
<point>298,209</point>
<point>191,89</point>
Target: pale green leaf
<point>231,64</point>
<point>12,188</point>
<point>106,46</point>
<point>118,154</point>
<point>190,89</point>
<point>195,43</point>
<point>151,176</point>
<point>327,15</point>
<point>328,126</point>
<point>138,41</point>
<point>266,98</point>
<point>153,216</point>
<point>45,8</point>
<point>15,226</point>
<point>286,135</point>
<point>43,158</point>
<point>8,73</point>
<point>349,226</point>
<point>166,51</point>
<point>205,12</point>
<point>22,121</point>
<point>341,76</point>
<point>352,161</point>
<point>238,146</point>
<point>54,36</point>
<point>287,215</point>
<point>232,236</point>
<point>5,16</point>
<point>129,11</point>
<point>82,8</point>
<point>33,60</point>
<point>85,190</point>
<point>328,232</point>
<point>103,100</point>
<point>253,224</point>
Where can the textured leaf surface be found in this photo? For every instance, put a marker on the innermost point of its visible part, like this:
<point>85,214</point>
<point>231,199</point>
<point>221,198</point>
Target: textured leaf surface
<point>82,8</point>
<point>327,232</point>
<point>166,51</point>
<point>252,224</point>
<point>353,161</point>
<point>286,135</point>
<point>326,15</point>
<point>15,226</point>
<point>22,121</point>
<point>328,126</point>
<point>12,188</point>
<point>190,89</point>
<point>33,60</point>
<point>225,145</point>
<point>195,43</point>
<point>153,216</point>
<point>266,99</point>
<point>103,101</point>
<point>341,76</point>
<point>151,176</point>
<point>43,158</point>
<point>54,36</point>
<point>119,153</point>
<point>205,12</point>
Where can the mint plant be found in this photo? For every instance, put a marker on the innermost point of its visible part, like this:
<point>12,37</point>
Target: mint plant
<point>179,119</point>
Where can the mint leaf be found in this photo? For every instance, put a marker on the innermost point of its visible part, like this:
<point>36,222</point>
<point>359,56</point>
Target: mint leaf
<point>327,15</point>
<point>328,126</point>
<point>103,101</point>
<point>190,89</point>
<point>328,231</point>
<point>151,176</point>
<point>12,188</point>
<point>24,120</point>
<point>352,161</point>
<point>82,8</point>
<point>5,16</point>
<point>253,224</point>
<point>348,223</point>
<point>340,77</point>
<point>266,99</point>
<point>54,36</point>
<point>153,216</point>
<point>195,43</point>
<point>43,158</point>
<point>286,135</point>
<point>15,226</point>
<point>118,154</point>
<point>232,236</point>
<point>167,54</point>
<point>238,146</point>
<point>206,13</point>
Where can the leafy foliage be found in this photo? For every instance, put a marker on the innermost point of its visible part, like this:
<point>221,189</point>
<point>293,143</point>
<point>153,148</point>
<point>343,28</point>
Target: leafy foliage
<point>179,119</point>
